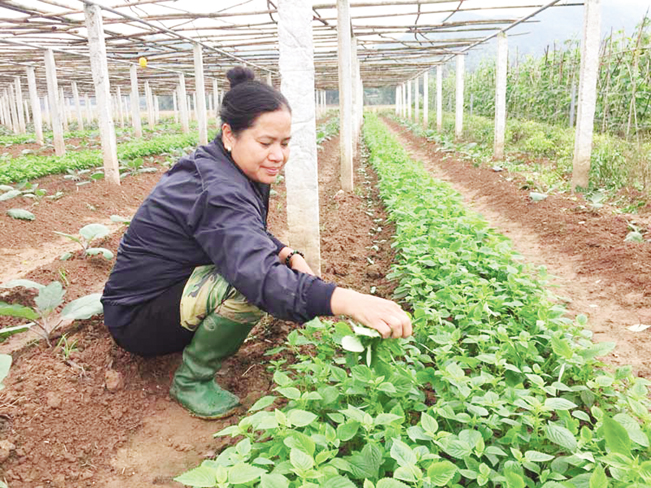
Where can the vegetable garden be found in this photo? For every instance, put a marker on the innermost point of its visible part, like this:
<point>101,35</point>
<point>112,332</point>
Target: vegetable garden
<point>529,364</point>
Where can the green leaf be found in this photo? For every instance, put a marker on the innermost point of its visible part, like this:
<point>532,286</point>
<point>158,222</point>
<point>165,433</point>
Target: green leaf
<point>386,418</point>
<point>262,403</point>
<point>301,418</point>
<point>9,195</point>
<point>559,404</point>
<point>273,481</point>
<point>633,236</point>
<point>537,457</point>
<point>17,310</point>
<point>201,477</point>
<point>429,423</point>
<point>458,449</point>
<point>441,472</point>
<point>84,308</point>
<point>561,436</point>
<point>21,214</point>
<point>243,473</point>
<point>352,343</point>
<point>94,251</point>
<point>91,232</point>
<point>633,428</point>
<point>390,483</point>
<point>348,430</point>
<point>402,453</point>
<point>23,283</point>
<point>338,482</point>
<point>366,464</point>
<point>537,197</point>
<point>617,439</point>
<point>513,480</point>
<point>50,297</point>
<point>289,392</point>
<point>301,460</point>
<point>599,478</point>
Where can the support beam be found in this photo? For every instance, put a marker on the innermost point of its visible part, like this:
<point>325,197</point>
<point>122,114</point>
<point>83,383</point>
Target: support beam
<point>135,101</point>
<point>354,64</point>
<point>20,106</point>
<point>12,108</point>
<point>156,110</point>
<point>118,101</point>
<point>345,94</point>
<point>175,106</point>
<point>149,100</point>
<point>587,94</point>
<point>48,117</point>
<point>458,125</point>
<point>53,99</point>
<point>416,100</point>
<point>202,116</point>
<point>439,98</point>
<point>296,64</point>
<point>215,94</point>
<point>63,109</point>
<point>426,99</point>
<point>404,100</point>
<point>183,105</point>
<point>397,102</point>
<point>75,95</point>
<point>89,112</point>
<point>36,105</point>
<point>99,66</point>
<point>500,95</point>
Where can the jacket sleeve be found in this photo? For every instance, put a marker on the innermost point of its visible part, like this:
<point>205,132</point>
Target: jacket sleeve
<point>229,227</point>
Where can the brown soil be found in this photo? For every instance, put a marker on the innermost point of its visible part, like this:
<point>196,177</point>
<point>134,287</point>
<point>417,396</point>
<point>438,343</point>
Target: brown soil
<point>596,272</point>
<point>102,417</point>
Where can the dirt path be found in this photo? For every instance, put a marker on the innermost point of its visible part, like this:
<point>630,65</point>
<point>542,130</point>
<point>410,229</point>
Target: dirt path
<point>595,272</point>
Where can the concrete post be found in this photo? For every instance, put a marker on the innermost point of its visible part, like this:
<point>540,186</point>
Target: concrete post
<point>99,66</point>
<point>345,94</point>
<point>500,95</point>
<point>36,105</point>
<point>135,101</point>
<point>183,105</point>
<point>416,100</point>
<point>20,106</point>
<point>403,104</point>
<point>587,94</point>
<point>296,64</point>
<point>269,80</point>
<point>149,99</point>
<point>156,110</point>
<point>53,96</point>
<point>75,94</point>
<point>14,111</point>
<point>46,106</point>
<point>202,116</point>
<point>354,93</point>
<point>439,98</point>
<point>409,103</point>
<point>175,106</point>
<point>89,114</point>
<point>458,126</point>
<point>120,108</point>
<point>215,94</point>
<point>426,99</point>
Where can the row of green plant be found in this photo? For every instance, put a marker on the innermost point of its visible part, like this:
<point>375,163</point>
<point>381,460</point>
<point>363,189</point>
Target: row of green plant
<point>327,130</point>
<point>541,88</point>
<point>497,388</point>
<point>615,163</point>
<point>32,166</point>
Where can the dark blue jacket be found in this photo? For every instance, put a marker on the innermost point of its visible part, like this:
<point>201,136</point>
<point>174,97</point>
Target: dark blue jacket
<point>205,210</point>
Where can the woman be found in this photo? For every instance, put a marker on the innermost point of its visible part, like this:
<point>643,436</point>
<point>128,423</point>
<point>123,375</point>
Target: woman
<point>197,267</point>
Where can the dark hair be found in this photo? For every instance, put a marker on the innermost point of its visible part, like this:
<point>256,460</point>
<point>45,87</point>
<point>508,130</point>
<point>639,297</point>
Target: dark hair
<point>248,99</point>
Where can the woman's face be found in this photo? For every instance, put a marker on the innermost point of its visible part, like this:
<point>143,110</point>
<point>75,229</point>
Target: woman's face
<point>262,150</point>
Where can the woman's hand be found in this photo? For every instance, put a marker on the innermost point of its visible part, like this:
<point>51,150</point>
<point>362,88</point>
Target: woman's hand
<point>298,263</point>
<point>377,313</point>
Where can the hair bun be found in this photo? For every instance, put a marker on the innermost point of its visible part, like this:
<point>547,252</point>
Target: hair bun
<point>239,74</point>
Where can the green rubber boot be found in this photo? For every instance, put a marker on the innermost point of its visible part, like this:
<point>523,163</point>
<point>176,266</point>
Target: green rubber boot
<point>194,385</point>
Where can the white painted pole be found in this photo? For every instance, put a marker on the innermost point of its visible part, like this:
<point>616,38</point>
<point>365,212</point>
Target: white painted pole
<point>89,113</point>
<point>439,98</point>
<point>396,104</point>
<point>403,103</point>
<point>75,94</point>
<point>354,93</point>
<point>409,100</point>
<point>14,112</point>
<point>135,102</point>
<point>119,104</point>
<point>426,99</point>
<point>296,64</point>
<point>269,80</point>
<point>587,94</point>
<point>215,94</point>
<point>345,95</point>
<point>416,100</point>
<point>200,85</point>
<point>63,106</point>
<point>3,118</point>
<point>99,67</point>
<point>53,95</point>
<point>175,106</point>
<point>20,109</point>
<point>48,116</point>
<point>149,99</point>
<point>500,95</point>
<point>194,105</point>
<point>36,105</point>
<point>27,116</point>
<point>458,127</point>
<point>156,110</point>
<point>183,105</point>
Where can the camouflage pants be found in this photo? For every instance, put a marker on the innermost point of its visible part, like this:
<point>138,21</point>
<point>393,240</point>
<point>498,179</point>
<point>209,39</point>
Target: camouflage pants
<point>206,292</point>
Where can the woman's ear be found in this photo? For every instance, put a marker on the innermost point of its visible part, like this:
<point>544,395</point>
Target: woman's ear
<point>228,138</point>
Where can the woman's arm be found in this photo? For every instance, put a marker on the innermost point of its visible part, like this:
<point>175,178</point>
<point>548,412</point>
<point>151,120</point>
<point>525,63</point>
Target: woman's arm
<point>297,262</point>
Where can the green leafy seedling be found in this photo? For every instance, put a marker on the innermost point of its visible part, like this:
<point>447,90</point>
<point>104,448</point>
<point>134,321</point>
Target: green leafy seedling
<point>87,234</point>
